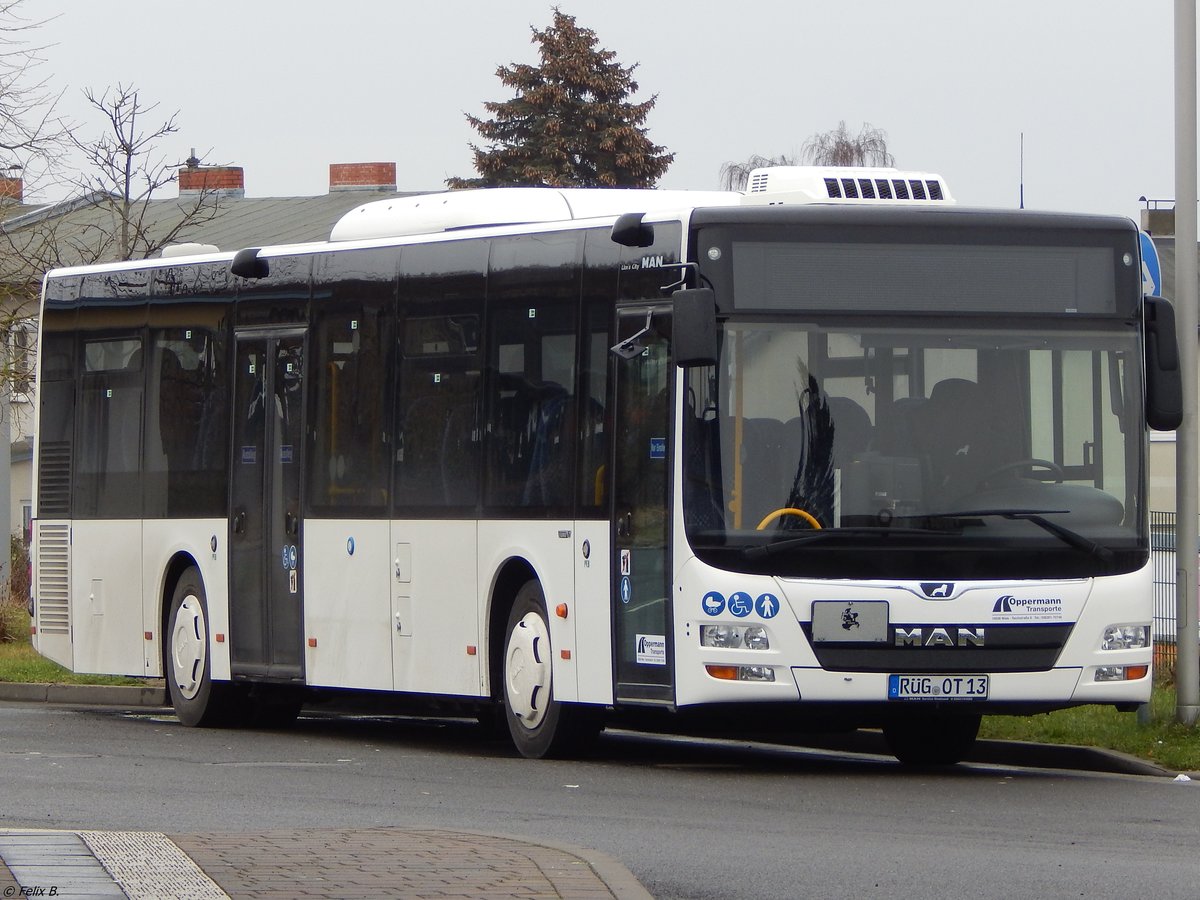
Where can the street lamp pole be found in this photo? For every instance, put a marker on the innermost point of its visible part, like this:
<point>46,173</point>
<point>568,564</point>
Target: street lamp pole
<point>1187,664</point>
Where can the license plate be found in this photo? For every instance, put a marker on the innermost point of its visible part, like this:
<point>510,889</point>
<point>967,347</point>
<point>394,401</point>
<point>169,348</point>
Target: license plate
<point>937,687</point>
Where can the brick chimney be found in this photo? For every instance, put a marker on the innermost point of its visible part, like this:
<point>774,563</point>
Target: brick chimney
<point>12,190</point>
<point>371,176</point>
<point>224,181</point>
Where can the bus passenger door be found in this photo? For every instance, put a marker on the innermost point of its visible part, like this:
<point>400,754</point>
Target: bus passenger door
<point>266,565</point>
<point>643,655</point>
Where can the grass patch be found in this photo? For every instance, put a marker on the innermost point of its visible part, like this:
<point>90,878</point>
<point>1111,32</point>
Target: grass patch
<point>20,662</point>
<point>1162,741</point>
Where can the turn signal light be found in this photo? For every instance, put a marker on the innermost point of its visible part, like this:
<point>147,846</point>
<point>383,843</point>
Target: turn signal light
<point>725,673</point>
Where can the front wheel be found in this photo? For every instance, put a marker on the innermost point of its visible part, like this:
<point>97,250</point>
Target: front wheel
<point>540,726</point>
<point>932,740</point>
<point>197,700</point>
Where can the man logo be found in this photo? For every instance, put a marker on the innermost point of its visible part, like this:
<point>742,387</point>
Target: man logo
<point>937,589</point>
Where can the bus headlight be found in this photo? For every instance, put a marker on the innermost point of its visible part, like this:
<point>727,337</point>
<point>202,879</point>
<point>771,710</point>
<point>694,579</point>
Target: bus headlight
<point>734,637</point>
<point>1125,637</point>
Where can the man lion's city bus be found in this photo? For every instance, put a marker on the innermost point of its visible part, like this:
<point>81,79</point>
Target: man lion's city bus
<point>830,453</point>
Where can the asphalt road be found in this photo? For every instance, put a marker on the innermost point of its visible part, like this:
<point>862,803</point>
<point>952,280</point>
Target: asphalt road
<point>694,819</point>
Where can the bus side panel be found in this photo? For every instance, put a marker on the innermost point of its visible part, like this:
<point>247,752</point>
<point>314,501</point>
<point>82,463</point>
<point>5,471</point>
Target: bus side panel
<point>162,540</point>
<point>436,637</point>
<point>592,612</point>
<point>106,606</point>
<point>549,549</point>
<point>347,609</point>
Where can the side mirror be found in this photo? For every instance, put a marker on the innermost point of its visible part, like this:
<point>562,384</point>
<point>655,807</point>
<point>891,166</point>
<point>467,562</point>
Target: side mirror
<point>630,231</point>
<point>1164,380</point>
<point>247,264</point>
<point>695,327</point>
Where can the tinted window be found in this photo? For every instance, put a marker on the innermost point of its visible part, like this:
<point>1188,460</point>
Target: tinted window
<point>533,299</point>
<point>108,452</point>
<point>353,297</point>
<point>187,423</point>
<point>441,293</point>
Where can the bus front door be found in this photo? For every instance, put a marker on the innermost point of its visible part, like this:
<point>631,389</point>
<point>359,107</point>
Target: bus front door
<point>643,653</point>
<point>265,599</point>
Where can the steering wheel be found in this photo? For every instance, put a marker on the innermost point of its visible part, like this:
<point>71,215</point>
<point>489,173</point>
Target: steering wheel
<point>788,511</point>
<point>1054,472</point>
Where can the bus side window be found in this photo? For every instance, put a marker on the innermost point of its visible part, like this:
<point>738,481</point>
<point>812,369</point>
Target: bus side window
<point>533,299</point>
<point>436,449</point>
<point>108,452</point>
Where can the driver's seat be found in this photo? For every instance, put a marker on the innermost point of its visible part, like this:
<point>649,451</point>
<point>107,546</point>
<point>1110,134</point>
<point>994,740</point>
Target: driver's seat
<point>959,437</point>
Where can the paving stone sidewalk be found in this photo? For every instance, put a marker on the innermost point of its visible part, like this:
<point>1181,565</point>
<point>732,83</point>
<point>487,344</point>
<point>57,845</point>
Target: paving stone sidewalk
<point>305,863</point>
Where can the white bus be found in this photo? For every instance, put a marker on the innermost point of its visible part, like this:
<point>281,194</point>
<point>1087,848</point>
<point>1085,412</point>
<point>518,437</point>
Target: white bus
<point>833,453</point>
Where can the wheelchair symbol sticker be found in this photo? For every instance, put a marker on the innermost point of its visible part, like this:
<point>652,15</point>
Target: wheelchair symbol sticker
<point>741,604</point>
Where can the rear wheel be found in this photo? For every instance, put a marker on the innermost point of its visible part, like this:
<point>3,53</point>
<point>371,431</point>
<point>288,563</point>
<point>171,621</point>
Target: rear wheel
<point>540,726</point>
<point>932,740</point>
<point>197,700</point>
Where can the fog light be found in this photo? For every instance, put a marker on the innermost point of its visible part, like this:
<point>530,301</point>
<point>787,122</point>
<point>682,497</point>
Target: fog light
<point>1121,673</point>
<point>756,673</point>
<point>1125,637</point>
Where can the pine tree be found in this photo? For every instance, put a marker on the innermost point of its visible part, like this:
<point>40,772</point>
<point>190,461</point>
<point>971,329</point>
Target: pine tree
<point>571,123</point>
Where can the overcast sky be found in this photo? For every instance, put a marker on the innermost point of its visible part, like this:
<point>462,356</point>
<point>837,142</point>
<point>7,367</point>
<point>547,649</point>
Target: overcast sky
<point>285,87</point>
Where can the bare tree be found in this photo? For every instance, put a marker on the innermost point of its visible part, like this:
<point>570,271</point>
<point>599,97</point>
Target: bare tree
<point>125,170</point>
<point>31,135</point>
<point>838,147</point>
<point>736,175</point>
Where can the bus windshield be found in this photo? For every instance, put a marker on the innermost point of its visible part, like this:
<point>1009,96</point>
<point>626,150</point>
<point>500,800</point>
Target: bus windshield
<point>836,449</point>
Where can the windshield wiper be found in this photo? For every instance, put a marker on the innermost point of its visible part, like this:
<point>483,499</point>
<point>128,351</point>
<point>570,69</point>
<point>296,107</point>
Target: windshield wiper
<point>1038,518</point>
<point>761,551</point>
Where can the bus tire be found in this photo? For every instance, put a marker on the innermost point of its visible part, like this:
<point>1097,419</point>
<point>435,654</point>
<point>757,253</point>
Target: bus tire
<point>188,669</point>
<point>932,740</point>
<point>539,725</point>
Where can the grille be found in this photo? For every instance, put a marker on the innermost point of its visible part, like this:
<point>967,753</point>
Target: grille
<point>53,578</point>
<point>758,183</point>
<point>833,189</point>
<point>1009,648</point>
<point>54,479</point>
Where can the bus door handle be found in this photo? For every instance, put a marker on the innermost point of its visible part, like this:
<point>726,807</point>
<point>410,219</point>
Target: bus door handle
<point>291,524</point>
<point>624,524</point>
<point>239,522</point>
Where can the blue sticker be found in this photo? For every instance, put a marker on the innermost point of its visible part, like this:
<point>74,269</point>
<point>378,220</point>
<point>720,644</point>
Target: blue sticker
<point>249,456</point>
<point>658,448</point>
<point>767,606</point>
<point>626,589</point>
<point>286,453</point>
<point>741,604</point>
<point>285,557</point>
<point>713,603</point>
<point>350,546</point>
<point>292,556</point>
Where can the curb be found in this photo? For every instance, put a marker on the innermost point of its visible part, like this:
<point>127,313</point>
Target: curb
<point>91,694</point>
<point>616,877</point>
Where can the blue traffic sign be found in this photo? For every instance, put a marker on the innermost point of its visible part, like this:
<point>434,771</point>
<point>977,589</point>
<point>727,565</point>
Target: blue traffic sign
<point>1151,267</point>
